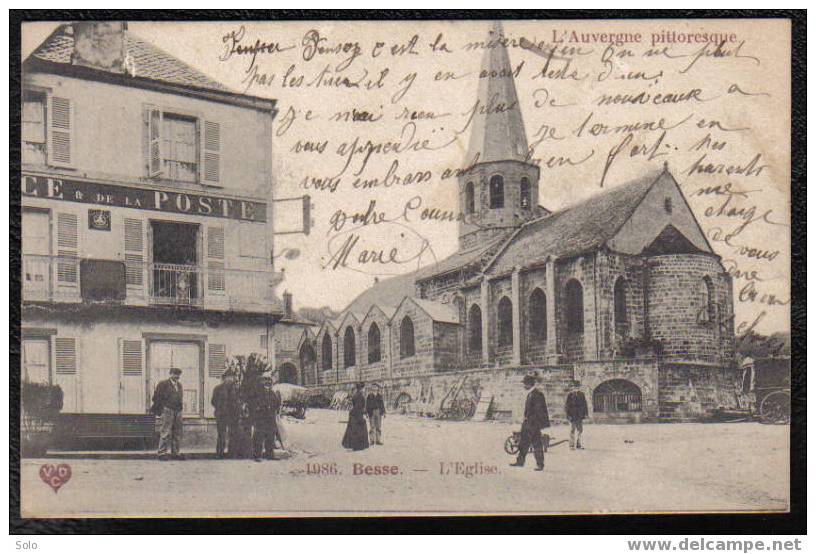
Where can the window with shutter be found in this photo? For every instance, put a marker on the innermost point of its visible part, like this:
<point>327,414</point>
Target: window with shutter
<point>217,360</point>
<point>33,130</point>
<point>134,252</point>
<point>66,358</point>
<point>215,259</point>
<point>154,143</point>
<point>67,247</point>
<point>132,358</point>
<point>211,153</point>
<point>60,130</point>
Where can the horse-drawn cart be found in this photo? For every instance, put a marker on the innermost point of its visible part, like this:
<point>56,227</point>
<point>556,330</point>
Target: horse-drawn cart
<point>770,381</point>
<point>294,399</point>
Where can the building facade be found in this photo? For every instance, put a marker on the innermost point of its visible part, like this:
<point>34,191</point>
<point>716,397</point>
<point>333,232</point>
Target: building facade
<point>147,228</point>
<point>622,292</point>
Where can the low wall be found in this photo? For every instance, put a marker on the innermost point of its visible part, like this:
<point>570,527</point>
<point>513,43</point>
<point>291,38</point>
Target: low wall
<point>424,393</point>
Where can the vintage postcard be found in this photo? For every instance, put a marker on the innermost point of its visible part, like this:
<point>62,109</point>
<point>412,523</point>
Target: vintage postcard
<point>344,268</point>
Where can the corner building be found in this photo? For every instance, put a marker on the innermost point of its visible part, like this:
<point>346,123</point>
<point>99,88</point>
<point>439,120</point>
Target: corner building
<point>147,229</point>
<point>622,292</point>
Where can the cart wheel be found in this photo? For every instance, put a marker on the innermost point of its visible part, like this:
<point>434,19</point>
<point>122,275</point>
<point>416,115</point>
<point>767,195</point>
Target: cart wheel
<point>775,408</point>
<point>465,408</point>
<point>401,403</point>
<point>300,412</point>
<point>511,446</point>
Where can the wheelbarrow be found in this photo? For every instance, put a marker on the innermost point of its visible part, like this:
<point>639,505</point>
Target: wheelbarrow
<point>511,445</point>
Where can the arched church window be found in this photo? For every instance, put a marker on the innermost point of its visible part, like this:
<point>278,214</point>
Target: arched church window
<point>505,322</point>
<point>374,350</point>
<point>496,192</point>
<point>349,348</point>
<point>475,329</point>
<point>525,193</point>
<point>327,352</point>
<point>406,338</point>
<point>574,307</point>
<point>538,317</point>
<point>470,198</point>
<point>709,302</point>
<point>621,315</point>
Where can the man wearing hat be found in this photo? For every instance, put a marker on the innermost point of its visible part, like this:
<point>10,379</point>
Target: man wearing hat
<point>375,409</point>
<point>576,410</point>
<point>536,418</point>
<point>168,403</point>
<point>225,402</point>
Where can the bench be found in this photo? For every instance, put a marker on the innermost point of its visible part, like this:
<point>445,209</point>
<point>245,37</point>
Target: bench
<point>128,431</point>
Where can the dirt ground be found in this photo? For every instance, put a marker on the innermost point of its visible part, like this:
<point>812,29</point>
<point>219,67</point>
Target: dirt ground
<point>441,467</point>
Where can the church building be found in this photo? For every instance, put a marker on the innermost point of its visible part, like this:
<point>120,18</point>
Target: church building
<point>621,292</point>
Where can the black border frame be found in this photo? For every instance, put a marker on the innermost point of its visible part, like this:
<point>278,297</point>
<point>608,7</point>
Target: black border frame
<point>790,523</point>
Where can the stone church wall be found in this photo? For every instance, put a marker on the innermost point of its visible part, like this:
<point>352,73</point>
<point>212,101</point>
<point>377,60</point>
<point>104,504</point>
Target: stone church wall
<point>676,299</point>
<point>576,346</point>
<point>688,392</point>
<point>422,362</point>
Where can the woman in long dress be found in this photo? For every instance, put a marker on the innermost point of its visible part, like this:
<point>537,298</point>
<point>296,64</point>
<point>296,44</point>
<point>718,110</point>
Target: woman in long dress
<point>356,436</point>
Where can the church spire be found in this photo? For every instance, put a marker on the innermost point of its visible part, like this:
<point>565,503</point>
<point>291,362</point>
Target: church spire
<point>498,134</point>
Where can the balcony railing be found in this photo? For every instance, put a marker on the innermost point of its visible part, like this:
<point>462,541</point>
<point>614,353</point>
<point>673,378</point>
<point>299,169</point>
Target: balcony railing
<point>57,279</point>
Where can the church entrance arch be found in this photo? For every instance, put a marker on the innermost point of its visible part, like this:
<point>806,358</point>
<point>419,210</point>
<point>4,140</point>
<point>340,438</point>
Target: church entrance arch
<point>288,373</point>
<point>308,360</point>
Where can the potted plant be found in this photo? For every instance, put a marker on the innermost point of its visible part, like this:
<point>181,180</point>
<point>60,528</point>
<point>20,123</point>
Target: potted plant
<point>41,404</point>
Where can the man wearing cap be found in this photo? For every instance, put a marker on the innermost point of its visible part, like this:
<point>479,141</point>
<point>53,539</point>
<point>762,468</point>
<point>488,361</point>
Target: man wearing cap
<point>225,402</point>
<point>375,409</point>
<point>264,409</point>
<point>536,418</point>
<point>576,410</point>
<point>168,403</point>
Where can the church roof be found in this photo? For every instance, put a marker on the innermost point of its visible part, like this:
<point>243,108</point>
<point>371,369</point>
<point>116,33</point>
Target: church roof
<point>578,228</point>
<point>386,292</point>
<point>474,257</point>
<point>444,313</point>
<point>498,134</point>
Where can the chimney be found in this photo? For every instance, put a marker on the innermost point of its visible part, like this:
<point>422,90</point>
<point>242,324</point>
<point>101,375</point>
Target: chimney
<point>100,45</point>
<point>287,305</point>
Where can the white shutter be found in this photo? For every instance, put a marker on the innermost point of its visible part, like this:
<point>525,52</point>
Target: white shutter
<point>60,132</point>
<point>134,252</point>
<point>210,170</point>
<point>66,369</point>
<point>154,162</point>
<point>131,377</point>
<point>67,249</point>
<point>217,360</point>
<point>215,259</point>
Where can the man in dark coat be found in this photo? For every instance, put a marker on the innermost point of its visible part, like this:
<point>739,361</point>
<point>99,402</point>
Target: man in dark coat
<point>264,409</point>
<point>227,412</point>
<point>375,409</point>
<point>536,418</point>
<point>168,402</point>
<point>576,410</point>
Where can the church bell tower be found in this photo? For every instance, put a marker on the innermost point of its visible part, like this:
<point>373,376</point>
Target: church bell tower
<point>499,192</point>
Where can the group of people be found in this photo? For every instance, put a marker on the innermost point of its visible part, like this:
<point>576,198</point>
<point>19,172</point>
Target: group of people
<point>264,426</point>
<point>251,423</point>
<point>358,436</point>
<point>537,417</point>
